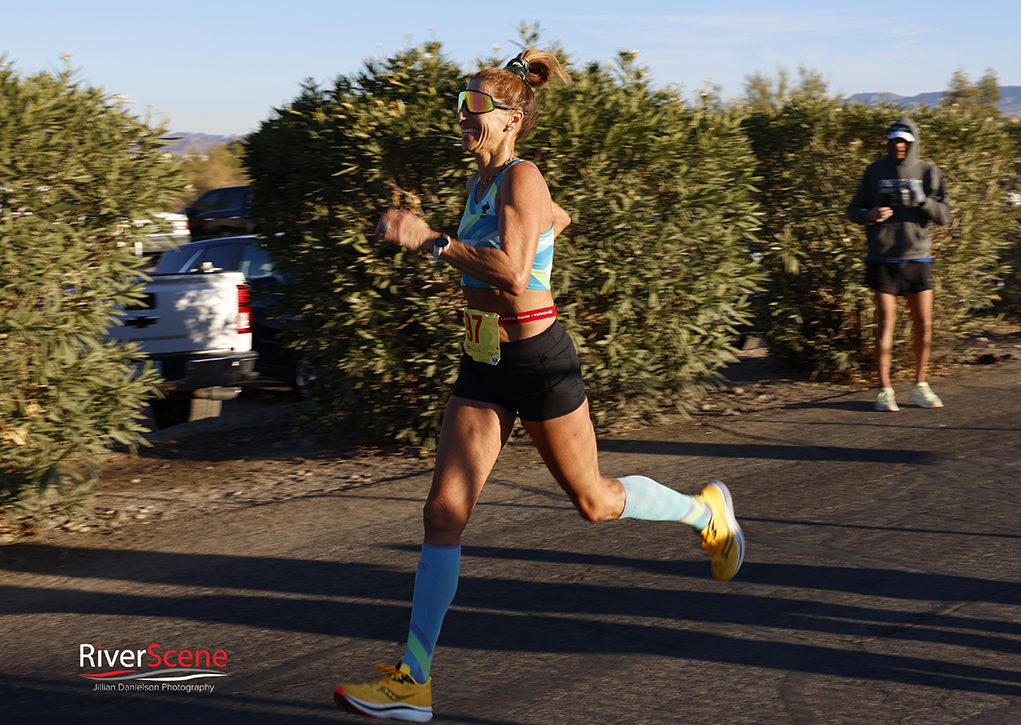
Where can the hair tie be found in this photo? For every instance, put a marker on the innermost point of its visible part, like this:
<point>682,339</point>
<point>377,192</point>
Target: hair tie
<point>518,66</point>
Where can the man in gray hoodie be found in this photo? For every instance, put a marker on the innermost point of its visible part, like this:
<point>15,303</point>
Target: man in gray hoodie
<point>897,198</point>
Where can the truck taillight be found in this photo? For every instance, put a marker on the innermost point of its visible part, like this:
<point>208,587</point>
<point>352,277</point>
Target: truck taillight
<point>244,310</point>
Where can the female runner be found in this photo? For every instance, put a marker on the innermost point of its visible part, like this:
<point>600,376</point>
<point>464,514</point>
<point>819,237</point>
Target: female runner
<point>517,361</point>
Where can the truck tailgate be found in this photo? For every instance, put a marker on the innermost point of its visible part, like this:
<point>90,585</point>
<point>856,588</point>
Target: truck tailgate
<point>187,313</point>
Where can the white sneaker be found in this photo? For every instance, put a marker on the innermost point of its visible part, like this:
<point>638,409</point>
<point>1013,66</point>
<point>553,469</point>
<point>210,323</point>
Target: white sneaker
<point>923,396</point>
<point>886,400</point>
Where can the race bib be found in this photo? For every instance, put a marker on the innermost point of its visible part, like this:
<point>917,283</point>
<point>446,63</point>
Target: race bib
<point>482,336</point>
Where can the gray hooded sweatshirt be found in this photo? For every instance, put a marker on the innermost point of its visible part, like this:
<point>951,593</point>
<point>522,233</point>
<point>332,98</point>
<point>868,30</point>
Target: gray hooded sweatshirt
<point>916,192</point>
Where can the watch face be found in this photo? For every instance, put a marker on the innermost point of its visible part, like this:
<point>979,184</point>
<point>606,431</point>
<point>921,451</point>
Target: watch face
<point>440,243</point>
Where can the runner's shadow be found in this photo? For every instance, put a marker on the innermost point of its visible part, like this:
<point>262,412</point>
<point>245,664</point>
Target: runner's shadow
<point>853,406</point>
<point>768,451</point>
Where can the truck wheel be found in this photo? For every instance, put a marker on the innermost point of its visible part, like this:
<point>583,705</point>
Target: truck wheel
<point>302,374</point>
<point>170,411</point>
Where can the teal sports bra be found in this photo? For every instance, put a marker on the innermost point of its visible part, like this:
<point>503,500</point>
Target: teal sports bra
<point>480,227</point>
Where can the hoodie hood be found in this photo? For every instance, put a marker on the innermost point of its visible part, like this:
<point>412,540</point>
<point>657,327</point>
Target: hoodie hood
<point>913,152</point>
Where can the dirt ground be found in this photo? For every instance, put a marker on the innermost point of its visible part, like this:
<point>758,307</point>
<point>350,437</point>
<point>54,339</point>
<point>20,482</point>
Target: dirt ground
<point>253,456</point>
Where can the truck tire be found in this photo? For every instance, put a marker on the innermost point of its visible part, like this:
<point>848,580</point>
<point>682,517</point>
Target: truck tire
<point>170,411</point>
<point>301,375</point>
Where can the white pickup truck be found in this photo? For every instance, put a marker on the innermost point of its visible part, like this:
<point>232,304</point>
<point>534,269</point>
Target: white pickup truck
<point>196,328</point>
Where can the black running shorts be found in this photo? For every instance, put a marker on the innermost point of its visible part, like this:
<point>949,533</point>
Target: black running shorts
<point>538,378</point>
<point>899,278</point>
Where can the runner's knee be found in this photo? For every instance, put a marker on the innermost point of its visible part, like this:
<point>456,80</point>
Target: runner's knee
<point>440,516</point>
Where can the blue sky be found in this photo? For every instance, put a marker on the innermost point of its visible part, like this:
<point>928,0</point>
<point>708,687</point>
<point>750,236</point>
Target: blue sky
<point>219,67</point>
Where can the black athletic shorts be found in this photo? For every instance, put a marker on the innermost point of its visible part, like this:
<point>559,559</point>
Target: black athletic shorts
<point>899,278</point>
<point>538,378</point>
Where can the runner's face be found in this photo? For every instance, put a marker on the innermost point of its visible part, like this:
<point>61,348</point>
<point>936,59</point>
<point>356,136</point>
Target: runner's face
<point>481,132</point>
<point>898,148</point>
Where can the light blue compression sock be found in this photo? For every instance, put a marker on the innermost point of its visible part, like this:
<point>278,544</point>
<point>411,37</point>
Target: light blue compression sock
<point>650,501</point>
<point>435,585</point>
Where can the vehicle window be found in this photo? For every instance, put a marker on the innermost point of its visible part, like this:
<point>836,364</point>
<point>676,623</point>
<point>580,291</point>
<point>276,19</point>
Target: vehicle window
<point>223,256</point>
<point>210,201</point>
<point>255,262</point>
<point>235,198</point>
<point>176,261</point>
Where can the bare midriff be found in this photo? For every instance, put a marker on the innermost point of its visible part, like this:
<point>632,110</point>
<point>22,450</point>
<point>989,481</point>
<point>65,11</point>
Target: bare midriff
<point>504,303</point>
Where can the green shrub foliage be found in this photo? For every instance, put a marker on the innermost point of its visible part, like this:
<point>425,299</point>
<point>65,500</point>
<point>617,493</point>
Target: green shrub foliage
<point>811,153</point>
<point>75,169</point>
<point>651,279</point>
<point>654,274</point>
<point>1011,302</point>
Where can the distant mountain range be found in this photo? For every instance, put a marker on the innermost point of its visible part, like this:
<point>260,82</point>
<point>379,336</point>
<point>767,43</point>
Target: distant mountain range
<point>1010,99</point>
<point>1010,105</point>
<point>182,143</point>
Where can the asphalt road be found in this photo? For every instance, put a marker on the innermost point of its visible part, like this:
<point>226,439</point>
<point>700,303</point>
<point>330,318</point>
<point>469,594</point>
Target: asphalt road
<point>882,585</point>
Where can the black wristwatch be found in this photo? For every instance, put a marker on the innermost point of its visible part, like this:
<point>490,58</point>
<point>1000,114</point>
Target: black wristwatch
<point>439,244</point>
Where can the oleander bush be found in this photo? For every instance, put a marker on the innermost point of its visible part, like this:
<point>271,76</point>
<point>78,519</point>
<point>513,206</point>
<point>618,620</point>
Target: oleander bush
<point>811,153</point>
<point>655,272</point>
<point>652,278</point>
<point>75,169</point>
<point>1011,293</point>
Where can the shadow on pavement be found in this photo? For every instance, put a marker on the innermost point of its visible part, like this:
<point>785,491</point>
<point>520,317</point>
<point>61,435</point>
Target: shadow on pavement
<point>646,613</point>
<point>769,451</point>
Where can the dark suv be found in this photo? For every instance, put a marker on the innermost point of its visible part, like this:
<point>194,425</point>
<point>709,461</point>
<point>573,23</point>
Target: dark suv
<point>221,212</point>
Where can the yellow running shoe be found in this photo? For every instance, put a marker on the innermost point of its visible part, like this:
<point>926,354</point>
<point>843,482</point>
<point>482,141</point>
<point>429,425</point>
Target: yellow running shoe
<point>396,696</point>
<point>723,537</point>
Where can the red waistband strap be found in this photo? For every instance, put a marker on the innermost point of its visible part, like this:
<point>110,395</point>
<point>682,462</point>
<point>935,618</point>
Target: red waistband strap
<point>519,317</point>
